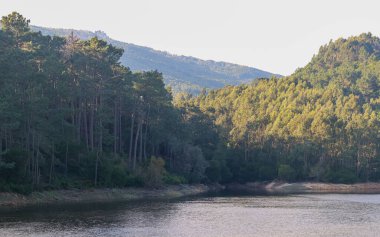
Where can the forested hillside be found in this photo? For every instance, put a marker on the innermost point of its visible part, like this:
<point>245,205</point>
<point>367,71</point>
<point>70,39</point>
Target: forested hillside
<point>180,72</point>
<point>321,123</point>
<point>72,116</point>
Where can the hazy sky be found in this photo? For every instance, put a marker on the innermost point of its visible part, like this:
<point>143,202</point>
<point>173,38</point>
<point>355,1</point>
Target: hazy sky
<point>274,35</point>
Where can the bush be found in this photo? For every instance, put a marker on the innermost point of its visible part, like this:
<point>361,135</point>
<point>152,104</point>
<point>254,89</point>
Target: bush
<point>60,182</point>
<point>286,172</point>
<point>344,176</point>
<point>213,172</point>
<point>218,172</point>
<point>247,172</point>
<point>17,188</point>
<point>226,174</point>
<point>134,181</point>
<point>154,172</point>
<point>118,176</point>
<point>173,179</point>
<point>267,172</point>
<point>192,163</point>
<point>21,188</point>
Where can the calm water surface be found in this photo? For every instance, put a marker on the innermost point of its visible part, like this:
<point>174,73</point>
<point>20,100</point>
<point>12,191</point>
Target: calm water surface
<point>299,215</point>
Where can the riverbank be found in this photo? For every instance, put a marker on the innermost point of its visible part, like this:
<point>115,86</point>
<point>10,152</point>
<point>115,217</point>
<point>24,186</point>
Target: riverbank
<point>103,195</point>
<point>276,187</point>
<point>177,191</point>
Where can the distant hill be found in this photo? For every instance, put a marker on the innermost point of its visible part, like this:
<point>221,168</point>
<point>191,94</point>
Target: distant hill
<point>182,73</point>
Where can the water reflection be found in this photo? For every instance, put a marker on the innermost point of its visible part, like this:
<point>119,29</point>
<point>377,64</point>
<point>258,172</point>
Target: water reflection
<point>84,220</point>
<point>311,215</point>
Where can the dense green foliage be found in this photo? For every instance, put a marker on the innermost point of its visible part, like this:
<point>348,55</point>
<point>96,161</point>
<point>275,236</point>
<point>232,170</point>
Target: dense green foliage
<point>181,73</point>
<point>72,116</point>
<point>321,123</point>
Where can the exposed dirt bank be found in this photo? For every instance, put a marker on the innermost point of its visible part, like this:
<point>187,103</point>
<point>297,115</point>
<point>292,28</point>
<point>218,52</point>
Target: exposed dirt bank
<point>276,187</point>
<point>102,195</point>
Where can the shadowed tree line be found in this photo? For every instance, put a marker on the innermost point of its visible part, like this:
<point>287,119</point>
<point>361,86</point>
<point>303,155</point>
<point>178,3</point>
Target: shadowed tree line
<point>72,116</point>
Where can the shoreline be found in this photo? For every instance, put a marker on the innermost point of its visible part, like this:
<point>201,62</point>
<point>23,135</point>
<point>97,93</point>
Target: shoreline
<point>106,195</point>
<point>102,195</point>
<point>277,187</point>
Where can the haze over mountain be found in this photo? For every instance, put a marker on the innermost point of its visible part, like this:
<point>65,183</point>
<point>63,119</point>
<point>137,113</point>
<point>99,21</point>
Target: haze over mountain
<point>182,73</point>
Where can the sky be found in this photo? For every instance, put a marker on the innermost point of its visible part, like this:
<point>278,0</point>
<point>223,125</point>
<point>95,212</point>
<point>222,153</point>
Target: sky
<point>274,35</point>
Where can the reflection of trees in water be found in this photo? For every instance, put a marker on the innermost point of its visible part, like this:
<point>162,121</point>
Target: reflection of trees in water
<point>304,215</point>
<point>149,213</point>
<point>47,218</point>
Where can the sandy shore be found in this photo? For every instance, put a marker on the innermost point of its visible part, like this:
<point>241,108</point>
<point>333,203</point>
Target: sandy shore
<point>102,195</point>
<point>276,187</point>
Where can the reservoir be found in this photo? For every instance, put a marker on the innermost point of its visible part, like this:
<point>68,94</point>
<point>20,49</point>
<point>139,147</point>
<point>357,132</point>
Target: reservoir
<point>293,215</point>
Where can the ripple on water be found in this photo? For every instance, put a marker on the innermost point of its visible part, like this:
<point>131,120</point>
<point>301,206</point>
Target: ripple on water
<point>297,215</point>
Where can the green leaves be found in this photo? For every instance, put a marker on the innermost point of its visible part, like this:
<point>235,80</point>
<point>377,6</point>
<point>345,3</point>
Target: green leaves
<point>15,24</point>
<point>324,115</point>
<point>70,108</point>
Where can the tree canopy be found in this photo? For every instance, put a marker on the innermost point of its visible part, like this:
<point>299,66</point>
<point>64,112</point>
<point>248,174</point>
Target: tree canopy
<point>72,116</point>
<point>321,123</point>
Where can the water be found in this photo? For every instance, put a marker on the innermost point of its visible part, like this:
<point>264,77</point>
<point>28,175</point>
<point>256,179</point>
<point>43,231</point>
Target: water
<point>298,215</point>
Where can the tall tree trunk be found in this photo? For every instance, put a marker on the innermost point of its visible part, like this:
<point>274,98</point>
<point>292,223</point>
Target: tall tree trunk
<point>115,129</point>
<point>79,122</point>
<point>357,165</point>
<point>171,158</point>
<point>121,149</point>
<point>92,127</point>
<point>5,148</point>
<point>51,173</point>
<point>141,145</point>
<point>101,137</point>
<point>72,115</point>
<point>245,150</point>
<point>146,132</point>
<point>38,162</point>
<point>96,168</point>
<point>27,149</point>
<point>135,147</point>
<point>1,144</point>
<point>100,145</point>
<point>131,139</point>
<point>145,141</point>
<point>33,164</point>
<point>66,158</point>
<point>85,125</point>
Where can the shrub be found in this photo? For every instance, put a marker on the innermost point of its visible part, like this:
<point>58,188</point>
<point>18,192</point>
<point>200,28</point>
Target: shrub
<point>345,176</point>
<point>286,172</point>
<point>21,188</point>
<point>192,163</point>
<point>213,172</point>
<point>267,172</point>
<point>173,179</point>
<point>17,188</point>
<point>118,176</point>
<point>154,172</point>
<point>134,181</point>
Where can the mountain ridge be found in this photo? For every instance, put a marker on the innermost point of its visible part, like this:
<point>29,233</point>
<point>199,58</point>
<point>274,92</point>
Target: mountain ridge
<point>182,73</point>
